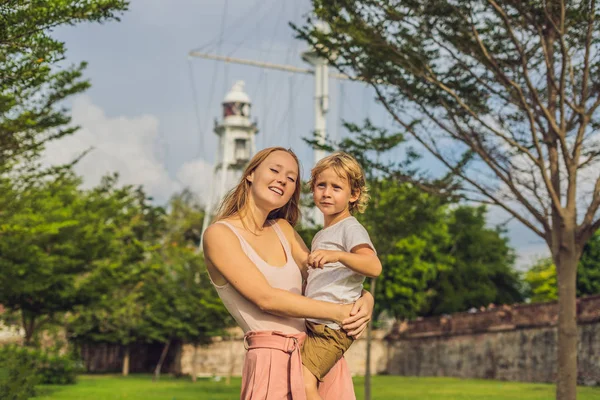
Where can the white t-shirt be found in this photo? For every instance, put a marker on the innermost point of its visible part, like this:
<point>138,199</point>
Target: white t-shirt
<point>335,282</point>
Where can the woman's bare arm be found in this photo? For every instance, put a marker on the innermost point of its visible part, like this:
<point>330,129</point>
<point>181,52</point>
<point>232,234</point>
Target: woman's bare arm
<point>299,250</point>
<point>223,250</point>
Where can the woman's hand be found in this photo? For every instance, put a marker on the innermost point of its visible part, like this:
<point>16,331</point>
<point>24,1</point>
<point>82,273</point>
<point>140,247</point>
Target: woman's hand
<point>360,315</point>
<point>344,311</point>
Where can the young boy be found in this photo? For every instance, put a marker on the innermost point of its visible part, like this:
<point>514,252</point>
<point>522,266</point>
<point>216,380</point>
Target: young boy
<point>342,255</point>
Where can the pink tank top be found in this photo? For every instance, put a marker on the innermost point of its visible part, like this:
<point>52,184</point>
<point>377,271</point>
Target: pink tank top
<point>288,277</point>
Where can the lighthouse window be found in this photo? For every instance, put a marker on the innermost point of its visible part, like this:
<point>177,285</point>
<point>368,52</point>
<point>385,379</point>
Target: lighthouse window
<point>241,149</point>
<point>231,109</point>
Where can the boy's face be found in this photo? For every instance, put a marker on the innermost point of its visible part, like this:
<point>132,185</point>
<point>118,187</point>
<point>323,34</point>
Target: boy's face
<point>332,194</point>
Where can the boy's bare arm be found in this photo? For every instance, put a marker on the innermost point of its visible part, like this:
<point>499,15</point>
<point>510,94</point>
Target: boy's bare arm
<point>361,259</point>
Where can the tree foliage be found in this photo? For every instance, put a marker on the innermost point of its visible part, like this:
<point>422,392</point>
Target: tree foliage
<point>482,271</point>
<point>163,294</point>
<point>588,271</point>
<point>57,238</point>
<point>408,230</point>
<point>505,94</point>
<point>33,78</point>
<point>541,277</point>
<point>541,281</point>
<point>437,257</point>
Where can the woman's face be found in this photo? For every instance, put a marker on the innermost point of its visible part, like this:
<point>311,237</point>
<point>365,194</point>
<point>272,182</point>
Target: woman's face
<point>274,180</point>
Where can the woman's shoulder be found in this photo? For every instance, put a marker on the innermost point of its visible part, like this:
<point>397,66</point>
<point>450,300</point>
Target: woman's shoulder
<point>283,224</point>
<point>285,227</point>
<point>216,231</point>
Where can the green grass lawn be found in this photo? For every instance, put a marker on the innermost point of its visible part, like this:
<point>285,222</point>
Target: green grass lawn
<point>140,387</point>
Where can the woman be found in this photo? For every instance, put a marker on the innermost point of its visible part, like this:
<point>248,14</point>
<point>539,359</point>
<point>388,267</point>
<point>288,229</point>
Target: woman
<point>257,263</point>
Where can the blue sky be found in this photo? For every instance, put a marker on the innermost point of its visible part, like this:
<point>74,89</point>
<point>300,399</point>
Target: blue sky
<point>140,115</point>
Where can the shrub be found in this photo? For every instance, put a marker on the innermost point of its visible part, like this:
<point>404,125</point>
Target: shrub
<point>58,369</point>
<point>17,373</point>
<point>21,368</point>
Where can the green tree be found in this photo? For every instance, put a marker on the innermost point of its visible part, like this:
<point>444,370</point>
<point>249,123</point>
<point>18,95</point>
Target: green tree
<point>37,267</point>
<point>55,237</point>
<point>33,80</point>
<point>182,303</point>
<point>482,270</point>
<point>117,312</point>
<point>541,277</point>
<point>161,293</point>
<point>588,271</point>
<point>184,219</point>
<point>408,229</point>
<point>511,87</point>
<point>541,281</point>
<point>116,317</point>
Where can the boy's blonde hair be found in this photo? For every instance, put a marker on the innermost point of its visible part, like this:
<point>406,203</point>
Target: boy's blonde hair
<point>348,168</point>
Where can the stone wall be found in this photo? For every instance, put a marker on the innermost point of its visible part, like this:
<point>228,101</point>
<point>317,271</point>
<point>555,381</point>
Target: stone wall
<point>226,356</point>
<point>507,343</point>
<point>10,334</point>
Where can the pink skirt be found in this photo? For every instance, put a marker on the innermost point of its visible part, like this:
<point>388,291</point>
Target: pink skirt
<point>273,370</point>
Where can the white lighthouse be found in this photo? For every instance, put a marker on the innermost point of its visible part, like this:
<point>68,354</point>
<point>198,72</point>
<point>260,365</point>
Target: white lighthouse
<point>236,146</point>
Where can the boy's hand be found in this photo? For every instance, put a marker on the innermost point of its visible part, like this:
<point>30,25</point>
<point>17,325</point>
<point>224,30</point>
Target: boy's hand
<point>318,258</point>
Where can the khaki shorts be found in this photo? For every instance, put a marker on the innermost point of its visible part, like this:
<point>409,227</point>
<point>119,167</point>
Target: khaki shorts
<point>323,347</point>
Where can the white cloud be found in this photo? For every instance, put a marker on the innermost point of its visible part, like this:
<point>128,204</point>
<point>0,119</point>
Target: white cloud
<point>131,146</point>
<point>127,145</point>
<point>197,176</point>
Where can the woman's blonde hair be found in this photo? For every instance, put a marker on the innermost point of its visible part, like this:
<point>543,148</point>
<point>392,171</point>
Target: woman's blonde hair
<point>348,168</point>
<point>236,200</point>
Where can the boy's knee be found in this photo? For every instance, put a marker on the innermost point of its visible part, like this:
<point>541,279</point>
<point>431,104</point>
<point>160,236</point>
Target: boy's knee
<point>312,391</point>
<point>310,381</point>
<point>311,387</point>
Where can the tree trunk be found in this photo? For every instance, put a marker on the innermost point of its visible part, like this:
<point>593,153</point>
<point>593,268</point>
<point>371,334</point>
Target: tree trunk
<point>194,359</point>
<point>566,267</point>
<point>161,360</point>
<point>28,327</point>
<point>125,371</point>
<point>368,361</point>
